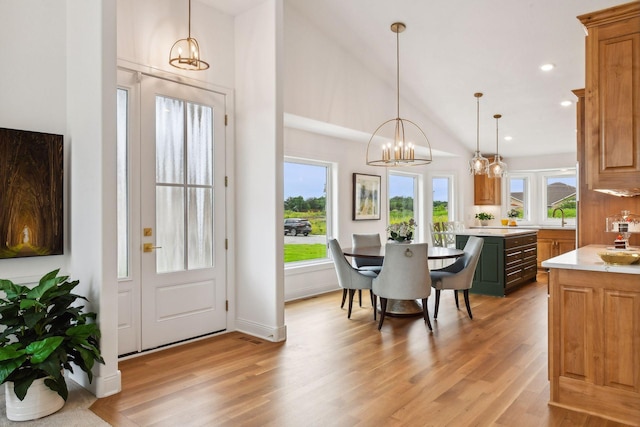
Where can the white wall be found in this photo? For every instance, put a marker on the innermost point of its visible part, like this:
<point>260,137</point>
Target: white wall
<point>258,150</point>
<point>60,77</point>
<point>33,38</point>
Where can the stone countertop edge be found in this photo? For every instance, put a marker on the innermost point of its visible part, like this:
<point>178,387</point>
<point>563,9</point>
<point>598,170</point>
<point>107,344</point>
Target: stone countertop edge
<point>586,258</point>
<point>525,227</point>
<point>494,232</point>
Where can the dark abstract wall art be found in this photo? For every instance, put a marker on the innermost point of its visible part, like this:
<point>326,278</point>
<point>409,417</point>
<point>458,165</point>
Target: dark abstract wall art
<point>31,202</point>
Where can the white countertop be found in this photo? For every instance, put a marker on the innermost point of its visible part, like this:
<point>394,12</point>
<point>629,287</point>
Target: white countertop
<point>495,232</point>
<point>586,258</point>
<point>529,227</point>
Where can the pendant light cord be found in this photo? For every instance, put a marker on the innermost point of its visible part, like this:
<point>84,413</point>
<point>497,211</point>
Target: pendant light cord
<point>398,73</point>
<point>189,18</point>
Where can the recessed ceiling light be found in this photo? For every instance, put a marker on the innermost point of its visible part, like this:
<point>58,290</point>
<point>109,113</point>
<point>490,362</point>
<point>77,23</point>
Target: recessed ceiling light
<point>508,138</point>
<point>547,67</point>
<point>566,103</point>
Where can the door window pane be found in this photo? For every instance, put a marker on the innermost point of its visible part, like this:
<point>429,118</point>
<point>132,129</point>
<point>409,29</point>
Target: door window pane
<point>402,194</point>
<point>199,143</point>
<point>441,194</point>
<point>200,228</point>
<point>169,140</point>
<point>305,210</point>
<point>122,182</point>
<point>170,226</point>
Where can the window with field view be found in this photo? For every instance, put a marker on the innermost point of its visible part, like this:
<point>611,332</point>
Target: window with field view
<point>306,186</point>
<point>518,197</point>
<point>441,194</point>
<point>560,193</point>
<point>402,198</point>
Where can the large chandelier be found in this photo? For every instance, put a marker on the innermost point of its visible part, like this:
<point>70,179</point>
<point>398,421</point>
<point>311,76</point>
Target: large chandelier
<point>478,165</point>
<point>395,141</point>
<point>185,53</point>
<point>498,168</point>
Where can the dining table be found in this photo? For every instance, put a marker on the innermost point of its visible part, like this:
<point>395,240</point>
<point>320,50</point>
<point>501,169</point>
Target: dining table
<point>403,308</point>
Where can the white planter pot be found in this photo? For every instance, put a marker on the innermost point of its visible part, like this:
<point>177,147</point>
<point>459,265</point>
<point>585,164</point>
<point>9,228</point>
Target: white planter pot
<point>39,402</point>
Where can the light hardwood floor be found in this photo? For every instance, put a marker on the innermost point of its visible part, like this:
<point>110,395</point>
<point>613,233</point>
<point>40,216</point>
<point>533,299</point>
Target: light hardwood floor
<point>332,371</point>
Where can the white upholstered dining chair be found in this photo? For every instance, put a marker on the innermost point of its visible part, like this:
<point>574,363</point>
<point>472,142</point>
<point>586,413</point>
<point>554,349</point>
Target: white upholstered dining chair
<point>404,276</point>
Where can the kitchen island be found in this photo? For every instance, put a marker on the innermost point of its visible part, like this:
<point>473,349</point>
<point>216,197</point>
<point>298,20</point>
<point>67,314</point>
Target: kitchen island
<point>507,261</point>
<point>594,335</point>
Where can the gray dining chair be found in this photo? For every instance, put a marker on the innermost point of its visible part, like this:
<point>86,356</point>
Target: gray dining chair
<point>366,240</point>
<point>366,264</point>
<point>459,275</point>
<point>349,278</point>
<point>404,276</point>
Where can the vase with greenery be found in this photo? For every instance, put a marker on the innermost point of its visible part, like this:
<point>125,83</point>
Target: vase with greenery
<point>45,332</point>
<point>484,217</point>
<point>402,231</point>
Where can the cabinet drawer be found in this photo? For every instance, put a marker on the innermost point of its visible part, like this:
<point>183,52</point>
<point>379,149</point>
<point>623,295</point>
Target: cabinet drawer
<point>514,242</point>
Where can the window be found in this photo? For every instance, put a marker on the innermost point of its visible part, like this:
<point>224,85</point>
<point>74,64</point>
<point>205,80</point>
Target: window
<point>306,204</point>
<point>122,204</point>
<point>559,191</point>
<point>518,194</point>
<point>442,191</point>
<point>402,197</point>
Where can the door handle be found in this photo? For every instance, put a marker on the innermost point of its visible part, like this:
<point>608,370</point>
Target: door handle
<point>148,247</point>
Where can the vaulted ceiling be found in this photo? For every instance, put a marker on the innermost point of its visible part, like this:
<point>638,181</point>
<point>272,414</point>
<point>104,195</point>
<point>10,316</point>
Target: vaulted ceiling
<point>454,48</point>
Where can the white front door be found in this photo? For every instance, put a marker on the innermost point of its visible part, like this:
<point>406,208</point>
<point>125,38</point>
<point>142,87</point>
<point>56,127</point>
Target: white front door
<point>182,212</point>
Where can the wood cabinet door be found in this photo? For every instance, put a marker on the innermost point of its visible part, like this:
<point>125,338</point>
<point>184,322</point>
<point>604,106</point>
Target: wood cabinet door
<point>545,250</point>
<point>613,98</point>
<point>486,191</point>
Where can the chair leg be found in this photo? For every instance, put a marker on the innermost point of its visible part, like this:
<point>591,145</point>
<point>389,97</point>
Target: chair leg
<point>455,295</point>
<point>435,315</point>
<point>360,297</point>
<point>351,294</point>
<point>383,310</point>
<point>344,298</point>
<point>425,310</point>
<point>466,301</point>
<point>374,303</point>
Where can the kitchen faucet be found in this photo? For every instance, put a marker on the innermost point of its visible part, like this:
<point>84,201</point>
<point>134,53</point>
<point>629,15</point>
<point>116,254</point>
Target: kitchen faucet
<point>553,214</point>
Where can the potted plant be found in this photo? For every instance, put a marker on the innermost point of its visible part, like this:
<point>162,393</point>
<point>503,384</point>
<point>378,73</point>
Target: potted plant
<point>513,214</point>
<point>402,232</point>
<point>484,218</point>
<point>45,332</point>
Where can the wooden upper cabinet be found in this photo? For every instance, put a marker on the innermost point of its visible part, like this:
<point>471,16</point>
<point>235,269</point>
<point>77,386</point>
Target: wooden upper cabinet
<point>486,191</point>
<point>612,99</point>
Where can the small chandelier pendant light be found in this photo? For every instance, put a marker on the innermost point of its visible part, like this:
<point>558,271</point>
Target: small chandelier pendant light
<point>398,144</point>
<point>478,165</point>
<point>498,168</point>
<point>185,53</point>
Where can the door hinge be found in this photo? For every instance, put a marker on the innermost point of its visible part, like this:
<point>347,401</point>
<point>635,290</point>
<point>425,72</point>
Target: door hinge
<point>226,305</point>
<point>226,181</point>
<point>226,120</point>
<point>226,244</point>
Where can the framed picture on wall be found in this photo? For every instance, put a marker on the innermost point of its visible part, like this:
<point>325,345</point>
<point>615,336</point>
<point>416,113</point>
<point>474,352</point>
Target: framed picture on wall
<point>366,197</point>
<point>31,198</point>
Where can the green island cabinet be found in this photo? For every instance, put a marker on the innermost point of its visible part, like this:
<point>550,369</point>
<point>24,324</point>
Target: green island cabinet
<point>506,262</point>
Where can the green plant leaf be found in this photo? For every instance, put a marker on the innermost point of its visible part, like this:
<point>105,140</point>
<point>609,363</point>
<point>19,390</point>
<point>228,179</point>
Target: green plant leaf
<point>8,366</point>
<point>40,350</point>
<point>43,287</point>
<point>21,386</point>
<point>83,332</point>
<point>58,385</point>
<point>11,351</point>
<point>12,290</point>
